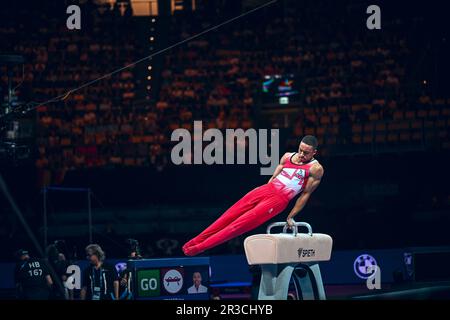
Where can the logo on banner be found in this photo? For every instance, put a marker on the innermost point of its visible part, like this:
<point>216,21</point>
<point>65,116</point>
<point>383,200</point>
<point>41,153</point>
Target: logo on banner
<point>365,266</point>
<point>173,281</point>
<point>121,266</point>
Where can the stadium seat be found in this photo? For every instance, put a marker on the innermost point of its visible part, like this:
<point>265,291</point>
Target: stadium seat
<point>380,137</point>
<point>356,107</point>
<point>442,133</point>
<point>335,119</point>
<point>334,130</point>
<point>324,120</point>
<point>398,115</point>
<point>331,140</point>
<point>416,136</point>
<point>320,131</point>
<point>410,115</point>
<point>429,124</point>
<point>433,113</point>
<point>416,124</point>
<point>367,138</point>
<point>392,137</point>
<point>440,123</point>
<point>368,127</point>
<point>356,128</point>
<point>356,139</point>
<point>310,131</point>
<point>332,109</point>
<point>393,126</point>
<point>446,112</point>
<point>403,125</point>
<point>422,114</point>
<point>380,127</point>
<point>405,136</point>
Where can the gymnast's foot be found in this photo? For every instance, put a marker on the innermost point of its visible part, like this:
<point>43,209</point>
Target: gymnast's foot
<point>190,243</point>
<point>191,250</point>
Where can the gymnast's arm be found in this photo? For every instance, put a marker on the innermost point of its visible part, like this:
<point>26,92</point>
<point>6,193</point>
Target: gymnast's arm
<point>279,167</point>
<point>315,176</point>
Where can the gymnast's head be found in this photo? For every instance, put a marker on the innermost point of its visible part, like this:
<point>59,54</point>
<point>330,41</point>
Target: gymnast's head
<point>197,279</point>
<point>307,148</point>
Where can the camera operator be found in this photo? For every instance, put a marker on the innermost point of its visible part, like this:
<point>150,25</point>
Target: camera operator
<point>32,277</point>
<point>100,280</point>
<point>135,251</point>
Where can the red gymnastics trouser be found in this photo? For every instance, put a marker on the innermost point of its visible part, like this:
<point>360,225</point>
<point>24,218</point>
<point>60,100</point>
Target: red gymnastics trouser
<point>256,207</point>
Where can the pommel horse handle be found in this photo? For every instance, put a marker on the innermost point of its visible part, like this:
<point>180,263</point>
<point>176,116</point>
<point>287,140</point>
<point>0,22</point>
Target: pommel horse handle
<point>294,229</point>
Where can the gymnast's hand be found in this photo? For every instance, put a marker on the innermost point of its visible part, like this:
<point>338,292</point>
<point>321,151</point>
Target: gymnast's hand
<point>290,222</point>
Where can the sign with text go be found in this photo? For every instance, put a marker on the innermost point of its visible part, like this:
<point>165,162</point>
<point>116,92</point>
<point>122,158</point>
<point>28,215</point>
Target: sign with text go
<point>148,283</point>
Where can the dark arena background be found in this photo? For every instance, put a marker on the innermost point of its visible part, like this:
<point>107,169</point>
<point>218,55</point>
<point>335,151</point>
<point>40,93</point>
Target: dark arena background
<point>92,94</point>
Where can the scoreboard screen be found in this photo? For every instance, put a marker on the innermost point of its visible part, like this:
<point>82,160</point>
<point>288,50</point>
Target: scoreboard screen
<point>279,89</point>
<point>171,279</point>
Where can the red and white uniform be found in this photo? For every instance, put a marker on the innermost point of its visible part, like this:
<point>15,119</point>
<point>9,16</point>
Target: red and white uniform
<point>256,207</point>
<point>292,179</point>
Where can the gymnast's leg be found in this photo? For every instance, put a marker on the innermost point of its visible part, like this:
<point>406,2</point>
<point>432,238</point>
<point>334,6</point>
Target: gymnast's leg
<point>262,212</point>
<point>246,203</point>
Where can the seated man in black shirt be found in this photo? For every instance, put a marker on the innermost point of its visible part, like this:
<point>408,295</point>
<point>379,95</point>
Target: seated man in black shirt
<point>100,280</point>
<point>32,277</point>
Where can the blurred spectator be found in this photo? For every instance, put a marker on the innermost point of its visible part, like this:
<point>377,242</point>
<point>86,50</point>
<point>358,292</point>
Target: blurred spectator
<point>100,280</point>
<point>125,285</point>
<point>59,264</point>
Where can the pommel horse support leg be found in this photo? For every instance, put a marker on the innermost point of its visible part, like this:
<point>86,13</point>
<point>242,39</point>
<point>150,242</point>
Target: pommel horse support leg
<point>285,255</point>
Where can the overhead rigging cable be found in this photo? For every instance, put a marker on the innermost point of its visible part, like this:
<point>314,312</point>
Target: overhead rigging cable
<point>68,93</point>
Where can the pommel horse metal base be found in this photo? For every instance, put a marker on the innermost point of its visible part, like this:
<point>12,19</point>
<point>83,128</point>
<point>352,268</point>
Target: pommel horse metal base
<point>289,255</point>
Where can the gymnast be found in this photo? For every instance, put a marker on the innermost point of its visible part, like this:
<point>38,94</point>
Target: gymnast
<point>297,173</point>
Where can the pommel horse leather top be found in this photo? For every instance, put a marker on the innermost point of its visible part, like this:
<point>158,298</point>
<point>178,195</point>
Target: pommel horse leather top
<point>288,247</point>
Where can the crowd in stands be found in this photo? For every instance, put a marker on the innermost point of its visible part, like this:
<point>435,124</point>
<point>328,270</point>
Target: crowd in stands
<point>100,124</point>
<point>352,82</point>
<point>357,87</point>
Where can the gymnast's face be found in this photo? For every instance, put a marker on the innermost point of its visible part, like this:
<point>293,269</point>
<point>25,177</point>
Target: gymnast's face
<point>306,152</point>
<point>197,279</point>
